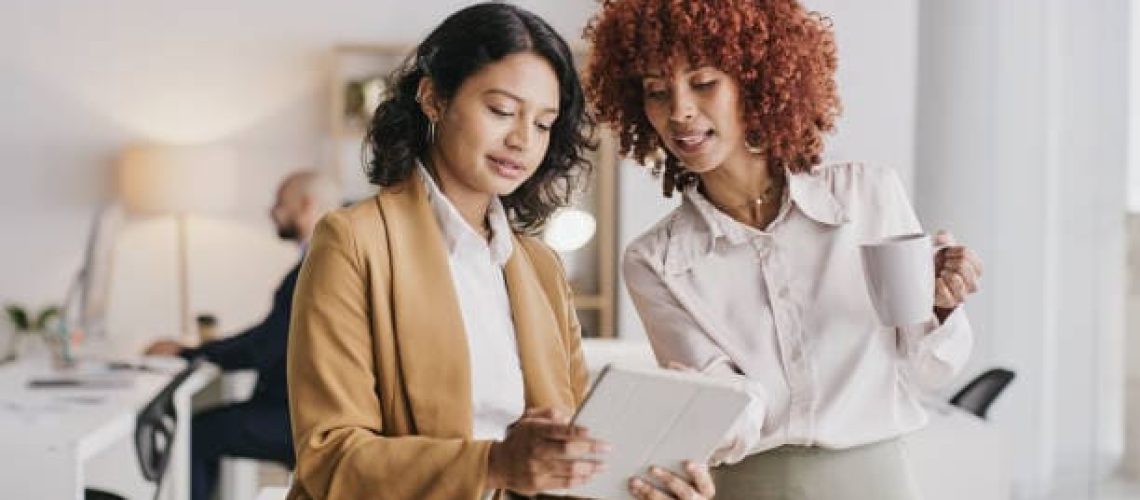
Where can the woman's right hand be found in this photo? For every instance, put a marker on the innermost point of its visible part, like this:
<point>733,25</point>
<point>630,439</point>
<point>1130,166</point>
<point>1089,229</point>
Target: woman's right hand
<point>542,452</point>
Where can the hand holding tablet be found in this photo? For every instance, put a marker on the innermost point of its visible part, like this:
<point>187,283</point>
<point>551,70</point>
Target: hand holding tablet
<point>652,417</point>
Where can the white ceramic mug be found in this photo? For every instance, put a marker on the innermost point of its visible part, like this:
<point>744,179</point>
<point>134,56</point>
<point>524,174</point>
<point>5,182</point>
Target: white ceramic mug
<point>899,272</point>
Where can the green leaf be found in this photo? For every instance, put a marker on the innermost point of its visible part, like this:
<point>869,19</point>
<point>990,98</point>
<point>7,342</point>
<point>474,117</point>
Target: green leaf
<point>18,316</point>
<point>45,316</point>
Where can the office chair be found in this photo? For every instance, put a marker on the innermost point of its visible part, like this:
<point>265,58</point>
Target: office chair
<point>981,392</point>
<point>154,435</point>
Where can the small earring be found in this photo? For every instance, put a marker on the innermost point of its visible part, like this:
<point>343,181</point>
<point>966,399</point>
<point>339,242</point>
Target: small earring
<point>748,145</point>
<point>657,159</point>
<point>431,132</point>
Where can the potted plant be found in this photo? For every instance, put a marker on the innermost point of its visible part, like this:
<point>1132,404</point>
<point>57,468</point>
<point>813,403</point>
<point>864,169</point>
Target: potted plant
<point>30,331</point>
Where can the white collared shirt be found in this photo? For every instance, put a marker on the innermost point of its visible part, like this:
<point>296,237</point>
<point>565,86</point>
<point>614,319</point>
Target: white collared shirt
<point>497,392</point>
<point>786,312</point>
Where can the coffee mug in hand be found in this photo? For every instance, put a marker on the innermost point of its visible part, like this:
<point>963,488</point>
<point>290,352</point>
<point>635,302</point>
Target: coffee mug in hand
<point>899,272</point>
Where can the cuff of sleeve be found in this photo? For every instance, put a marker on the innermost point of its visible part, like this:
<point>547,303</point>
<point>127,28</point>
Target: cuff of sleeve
<point>745,434</point>
<point>485,465</point>
<point>936,352</point>
<point>949,341</point>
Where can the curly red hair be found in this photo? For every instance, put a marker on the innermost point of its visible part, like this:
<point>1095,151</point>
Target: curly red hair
<point>782,56</point>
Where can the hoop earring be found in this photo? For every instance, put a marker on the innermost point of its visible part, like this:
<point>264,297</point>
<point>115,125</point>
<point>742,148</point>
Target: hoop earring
<point>752,149</point>
<point>656,160</point>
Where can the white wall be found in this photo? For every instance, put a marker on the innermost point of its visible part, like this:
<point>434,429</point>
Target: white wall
<point>1021,142</point>
<point>1132,310</point>
<point>878,44</point>
<point>83,79</point>
<point>1134,113</point>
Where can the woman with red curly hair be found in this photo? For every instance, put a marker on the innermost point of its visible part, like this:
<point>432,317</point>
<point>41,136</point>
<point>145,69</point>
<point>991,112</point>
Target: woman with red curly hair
<point>757,275</point>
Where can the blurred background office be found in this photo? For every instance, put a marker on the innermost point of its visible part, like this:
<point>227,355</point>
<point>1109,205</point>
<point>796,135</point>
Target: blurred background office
<point>1013,124</point>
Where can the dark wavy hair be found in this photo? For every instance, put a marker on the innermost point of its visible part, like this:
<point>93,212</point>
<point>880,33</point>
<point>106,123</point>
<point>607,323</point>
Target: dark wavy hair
<point>464,43</point>
<point>782,56</point>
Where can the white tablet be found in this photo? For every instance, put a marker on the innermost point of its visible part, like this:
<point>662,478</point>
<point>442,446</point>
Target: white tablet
<point>653,416</point>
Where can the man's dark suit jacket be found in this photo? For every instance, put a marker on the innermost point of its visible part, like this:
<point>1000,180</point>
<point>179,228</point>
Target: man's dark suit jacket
<point>261,348</point>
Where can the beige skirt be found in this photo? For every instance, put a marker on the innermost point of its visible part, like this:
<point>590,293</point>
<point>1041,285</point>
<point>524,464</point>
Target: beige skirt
<point>878,471</point>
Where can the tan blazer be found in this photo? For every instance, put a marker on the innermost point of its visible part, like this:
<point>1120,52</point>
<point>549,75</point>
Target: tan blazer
<point>379,376</point>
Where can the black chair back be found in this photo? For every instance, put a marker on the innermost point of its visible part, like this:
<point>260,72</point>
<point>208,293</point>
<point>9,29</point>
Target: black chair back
<point>981,392</point>
<point>155,427</point>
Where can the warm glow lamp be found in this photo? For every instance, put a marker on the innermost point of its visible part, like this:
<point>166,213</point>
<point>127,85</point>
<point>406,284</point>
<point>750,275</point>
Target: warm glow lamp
<point>179,181</point>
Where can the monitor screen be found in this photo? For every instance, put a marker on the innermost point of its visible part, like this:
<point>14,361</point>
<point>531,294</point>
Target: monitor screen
<point>87,309</point>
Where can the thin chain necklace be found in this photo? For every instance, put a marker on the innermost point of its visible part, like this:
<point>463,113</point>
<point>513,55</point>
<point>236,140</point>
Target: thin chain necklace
<point>771,194</point>
<point>758,211</point>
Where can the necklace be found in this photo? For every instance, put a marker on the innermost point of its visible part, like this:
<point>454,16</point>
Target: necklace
<point>771,194</point>
<point>758,211</point>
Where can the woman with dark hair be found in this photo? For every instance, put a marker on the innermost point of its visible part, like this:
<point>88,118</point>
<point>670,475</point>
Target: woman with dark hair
<point>757,276</point>
<point>434,349</point>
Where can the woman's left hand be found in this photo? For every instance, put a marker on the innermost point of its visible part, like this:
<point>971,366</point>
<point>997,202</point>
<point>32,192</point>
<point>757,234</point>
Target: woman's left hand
<point>675,486</point>
<point>958,273</point>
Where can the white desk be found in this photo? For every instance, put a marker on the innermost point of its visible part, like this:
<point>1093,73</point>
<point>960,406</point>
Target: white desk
<point>958,455</point>
<point>49,433</point>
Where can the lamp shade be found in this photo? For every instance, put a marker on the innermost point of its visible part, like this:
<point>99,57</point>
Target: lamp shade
<point>176,179</point>
<point>569,229</point>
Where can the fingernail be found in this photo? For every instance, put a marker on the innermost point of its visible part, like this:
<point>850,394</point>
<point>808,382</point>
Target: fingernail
<point>605,447</point>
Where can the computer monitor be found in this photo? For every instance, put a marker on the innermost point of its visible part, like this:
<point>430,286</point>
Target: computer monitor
<point>86,304</point>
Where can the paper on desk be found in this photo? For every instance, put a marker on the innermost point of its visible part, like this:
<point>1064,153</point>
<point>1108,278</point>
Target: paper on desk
<point>85,375</point>
<point>37,411</point>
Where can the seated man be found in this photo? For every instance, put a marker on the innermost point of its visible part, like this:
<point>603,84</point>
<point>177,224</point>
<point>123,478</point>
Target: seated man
<point>259,427</point>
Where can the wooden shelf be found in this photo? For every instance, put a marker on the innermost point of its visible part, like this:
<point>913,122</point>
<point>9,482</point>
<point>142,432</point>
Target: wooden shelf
<point>590,301</point>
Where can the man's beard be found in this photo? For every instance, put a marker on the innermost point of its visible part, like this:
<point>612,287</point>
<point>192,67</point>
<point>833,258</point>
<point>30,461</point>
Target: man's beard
<point>289,232</point>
